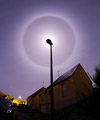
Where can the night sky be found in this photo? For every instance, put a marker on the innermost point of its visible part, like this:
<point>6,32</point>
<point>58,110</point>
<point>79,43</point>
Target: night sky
<point>72,25</point>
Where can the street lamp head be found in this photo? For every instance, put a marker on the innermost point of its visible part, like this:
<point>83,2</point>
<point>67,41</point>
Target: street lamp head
<point>49,42</point>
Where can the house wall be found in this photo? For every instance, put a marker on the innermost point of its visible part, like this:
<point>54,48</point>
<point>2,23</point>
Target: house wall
<point>43,101</point>
<point>82,84</point>
<point>33,101</point>
<point>36,102</point>
<point>62,99</point>
<point>30,102</point>
<point>65,95</point>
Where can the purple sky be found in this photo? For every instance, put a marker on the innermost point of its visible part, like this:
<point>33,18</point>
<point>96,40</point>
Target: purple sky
<point>73,26</point>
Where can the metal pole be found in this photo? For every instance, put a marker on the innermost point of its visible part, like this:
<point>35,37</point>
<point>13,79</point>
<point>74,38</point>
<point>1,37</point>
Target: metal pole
<point>51,76</point>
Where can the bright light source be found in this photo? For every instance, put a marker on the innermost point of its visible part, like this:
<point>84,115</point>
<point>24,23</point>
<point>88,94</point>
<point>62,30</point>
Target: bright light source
<point>20,97</point>
<point>58,31</point>
<point>48,36</point>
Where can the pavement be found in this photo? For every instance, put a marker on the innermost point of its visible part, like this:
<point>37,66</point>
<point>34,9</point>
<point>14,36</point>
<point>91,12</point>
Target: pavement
<point>23,115</point>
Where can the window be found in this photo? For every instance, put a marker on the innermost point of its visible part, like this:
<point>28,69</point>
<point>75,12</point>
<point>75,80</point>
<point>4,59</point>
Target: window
<point>64,92</point>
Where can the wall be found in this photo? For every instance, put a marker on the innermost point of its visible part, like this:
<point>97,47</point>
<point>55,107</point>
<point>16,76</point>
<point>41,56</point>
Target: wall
<point>82,83</point>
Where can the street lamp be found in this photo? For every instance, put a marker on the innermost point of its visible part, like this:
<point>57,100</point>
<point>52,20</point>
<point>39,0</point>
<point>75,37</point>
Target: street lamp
<point>20,97</point>
<point>51,77</point>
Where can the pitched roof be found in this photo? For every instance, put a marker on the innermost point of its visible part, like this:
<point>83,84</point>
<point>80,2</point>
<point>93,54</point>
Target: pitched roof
<point>38,91</point>
<point>60,79</point>
<point>66,75</point>
<point>2,94</point>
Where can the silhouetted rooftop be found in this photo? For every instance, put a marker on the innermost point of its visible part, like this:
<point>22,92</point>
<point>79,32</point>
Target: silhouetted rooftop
<point>66,75</point>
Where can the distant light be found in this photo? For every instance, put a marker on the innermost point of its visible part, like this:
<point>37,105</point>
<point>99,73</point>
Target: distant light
<point>20,97</point>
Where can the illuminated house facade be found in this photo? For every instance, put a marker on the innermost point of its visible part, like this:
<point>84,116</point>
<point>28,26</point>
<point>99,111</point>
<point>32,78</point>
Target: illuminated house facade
<point>69,88</point>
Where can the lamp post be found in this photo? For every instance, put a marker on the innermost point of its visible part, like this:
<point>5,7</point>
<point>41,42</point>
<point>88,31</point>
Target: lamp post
<point>51,77</point>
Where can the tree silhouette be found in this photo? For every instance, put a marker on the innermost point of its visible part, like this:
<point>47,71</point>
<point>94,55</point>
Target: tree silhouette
<point>96,77</point>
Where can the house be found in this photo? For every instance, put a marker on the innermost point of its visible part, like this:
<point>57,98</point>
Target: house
<point>33,101</point>
<point>69,88</point>
<point>2,94</point>
<point>9,97</point>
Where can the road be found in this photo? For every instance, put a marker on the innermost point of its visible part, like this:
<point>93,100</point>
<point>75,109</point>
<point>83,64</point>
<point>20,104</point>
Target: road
<point>23,115</point>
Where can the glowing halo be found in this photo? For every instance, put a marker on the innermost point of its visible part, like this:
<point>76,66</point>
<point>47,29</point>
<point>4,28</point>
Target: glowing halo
<point>29,47</point>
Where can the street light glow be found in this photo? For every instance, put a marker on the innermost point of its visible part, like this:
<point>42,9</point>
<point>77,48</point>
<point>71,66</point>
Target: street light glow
<point>48,36</point>
<point>20,97</point>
